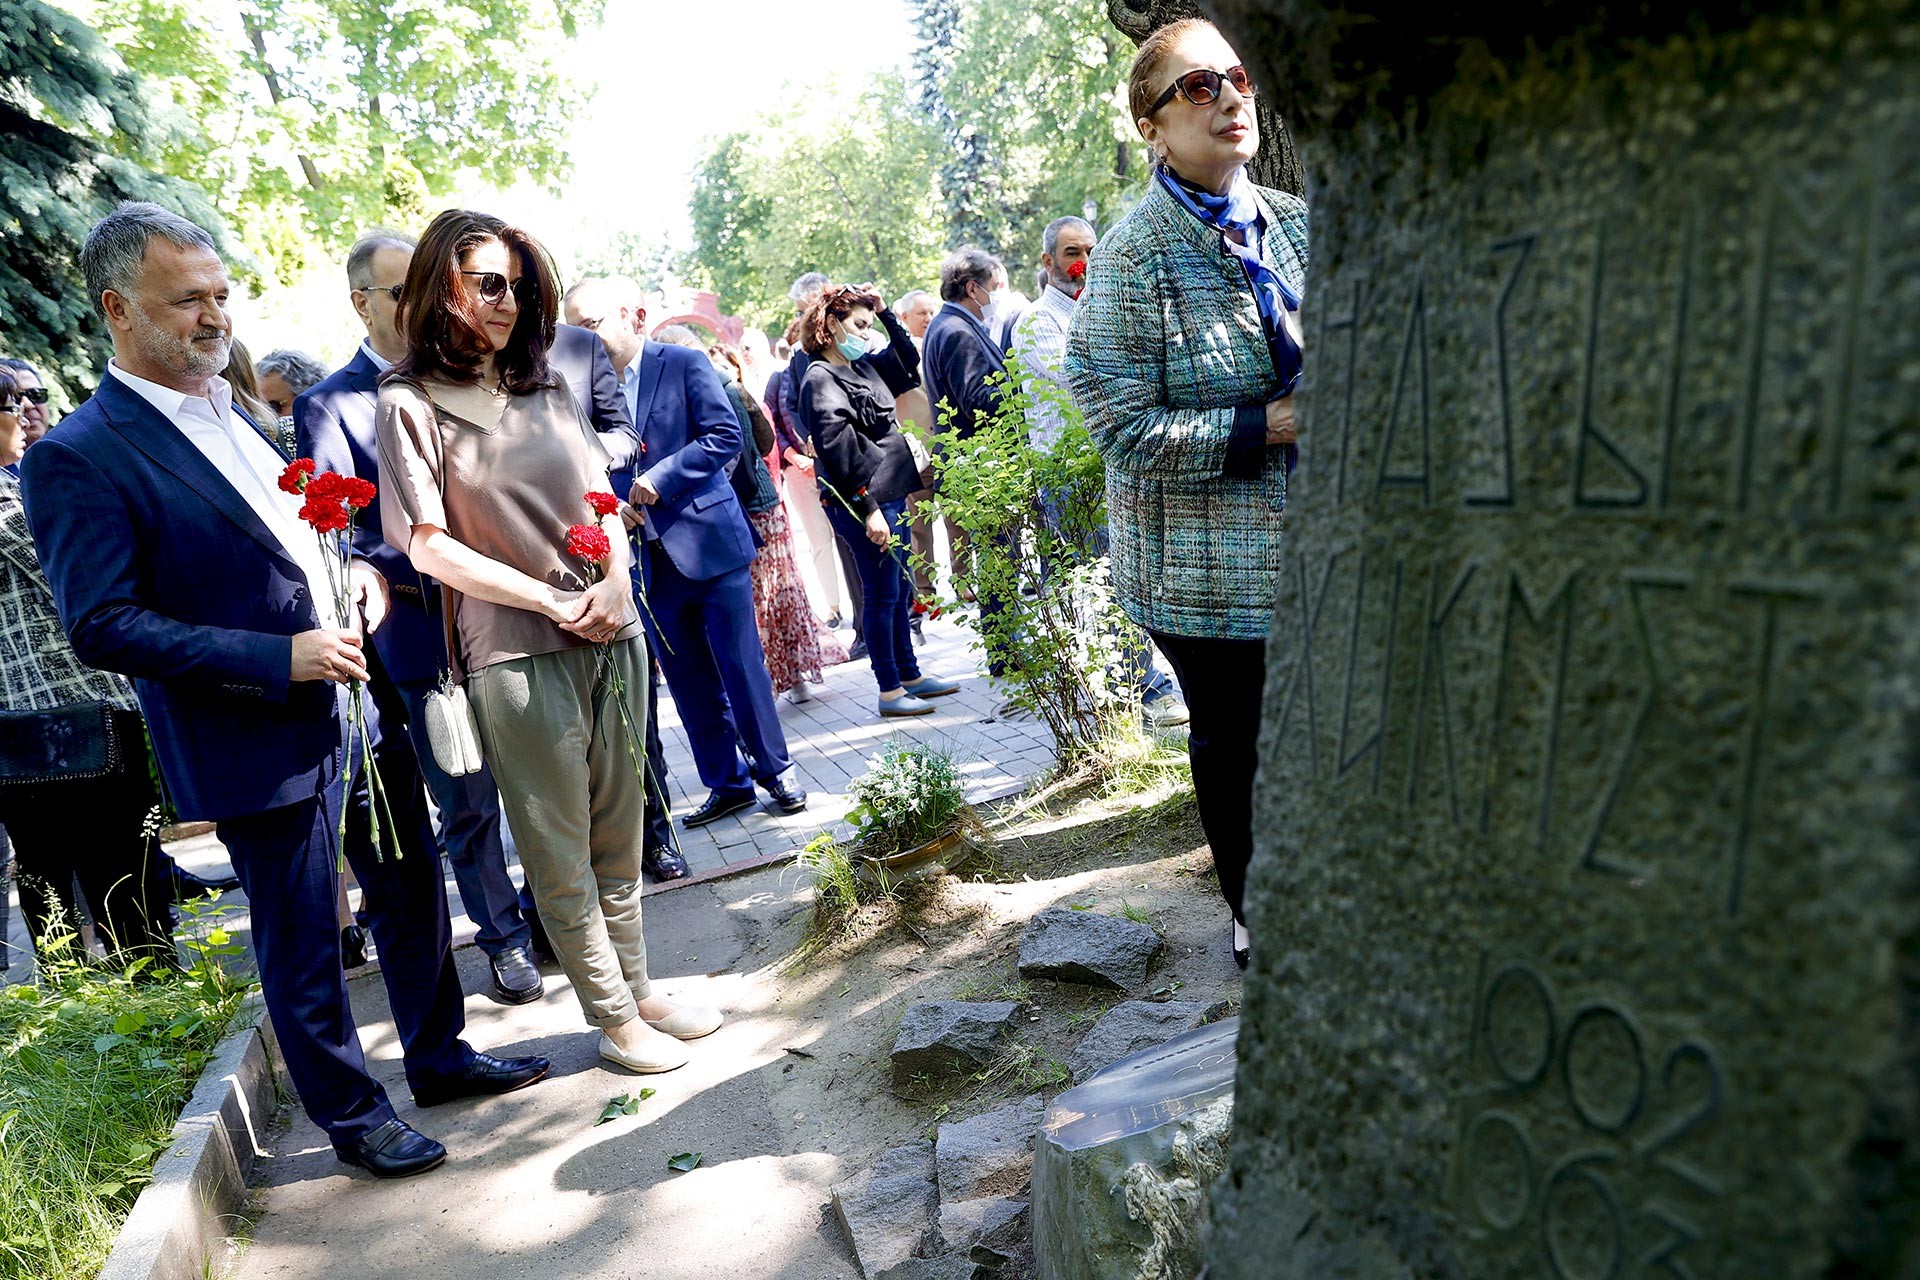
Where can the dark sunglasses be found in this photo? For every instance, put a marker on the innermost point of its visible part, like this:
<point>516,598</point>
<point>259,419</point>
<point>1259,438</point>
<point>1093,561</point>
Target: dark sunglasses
<point>493,287</point>
<point>392,290</point>
<point>37,395</point>
<point>1201,87</point>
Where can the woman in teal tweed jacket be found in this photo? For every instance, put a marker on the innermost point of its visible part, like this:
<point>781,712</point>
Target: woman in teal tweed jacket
<point>1182,358</point>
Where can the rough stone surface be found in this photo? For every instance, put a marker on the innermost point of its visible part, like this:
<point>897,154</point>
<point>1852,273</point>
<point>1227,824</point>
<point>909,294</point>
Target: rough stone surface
<point>1084,946</point>
<point>1130,1027</point>
<point>1125,1163</point>
<point>989,1155</point>
<point>888,1211</point>
<point>952,1266</point>
<point>996,1222</point>
<point>1588,888</point>
<point>947,1036</point>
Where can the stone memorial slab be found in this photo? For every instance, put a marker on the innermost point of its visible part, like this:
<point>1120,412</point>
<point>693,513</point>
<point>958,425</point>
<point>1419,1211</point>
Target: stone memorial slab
<point>1588,889</point>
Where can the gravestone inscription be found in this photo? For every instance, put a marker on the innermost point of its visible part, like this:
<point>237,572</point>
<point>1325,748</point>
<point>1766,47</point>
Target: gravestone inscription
<point>1588,896</point>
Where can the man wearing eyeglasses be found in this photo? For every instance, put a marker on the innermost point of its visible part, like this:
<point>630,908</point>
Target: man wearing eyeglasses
<point>33,397</point>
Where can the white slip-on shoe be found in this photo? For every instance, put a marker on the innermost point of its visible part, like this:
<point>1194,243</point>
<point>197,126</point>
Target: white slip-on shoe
<point>689,1022</point>
<point>651,1060</point>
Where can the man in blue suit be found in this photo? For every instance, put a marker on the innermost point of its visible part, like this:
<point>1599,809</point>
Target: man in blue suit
<point>698,546</point>
<point>175,559</point>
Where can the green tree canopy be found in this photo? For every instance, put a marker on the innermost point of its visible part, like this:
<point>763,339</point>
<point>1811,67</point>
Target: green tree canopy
<point>1030,97</point>
<point>317,118</point>
<point>80,138</point>
<point>848,188</point>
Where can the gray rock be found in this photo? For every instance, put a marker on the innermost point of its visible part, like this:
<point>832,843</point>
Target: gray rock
<point>1082,946</point>
<point>888,1211</point>
<point>951,1266</point>
<point>998,1223</point>
<point>989,1155</point>
<point>945,1037</point>
<point>1126,1162</point>
<point>1130,1027</point>
<point>1586,902</point>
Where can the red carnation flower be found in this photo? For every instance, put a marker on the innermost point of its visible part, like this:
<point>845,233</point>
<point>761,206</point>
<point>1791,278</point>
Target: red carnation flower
<point>603,504</point>
<point>294,478</point>
<point>1076,271</point>
<point>357,493</point>
<point>328,486</point>
<point>325,514</point>
<point>589,542</point>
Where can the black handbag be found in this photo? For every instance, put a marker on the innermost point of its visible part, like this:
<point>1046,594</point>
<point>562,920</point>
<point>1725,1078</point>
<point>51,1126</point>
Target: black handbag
<point>65,744</point>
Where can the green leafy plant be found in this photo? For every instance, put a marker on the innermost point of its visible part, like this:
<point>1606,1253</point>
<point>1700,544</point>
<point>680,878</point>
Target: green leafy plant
<point>910,794</point>
<point>95,1064</point>
<point>1038,523</point>
<point>839,888</point>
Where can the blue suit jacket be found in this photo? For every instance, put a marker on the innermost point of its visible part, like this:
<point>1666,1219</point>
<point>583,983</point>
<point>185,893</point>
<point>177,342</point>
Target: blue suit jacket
<point>688,436</point>
<point>957,357</point>
<point>333,425</point>
<point>581,359</point>
<point>162,572</point>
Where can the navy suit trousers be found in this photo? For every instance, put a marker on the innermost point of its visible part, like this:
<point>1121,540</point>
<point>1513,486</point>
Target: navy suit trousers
<point>285,860</point>
<point>709,647</point>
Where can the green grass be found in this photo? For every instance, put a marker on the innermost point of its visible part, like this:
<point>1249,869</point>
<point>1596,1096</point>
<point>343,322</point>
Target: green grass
<point>987,986</point>
<point>95,1065</point>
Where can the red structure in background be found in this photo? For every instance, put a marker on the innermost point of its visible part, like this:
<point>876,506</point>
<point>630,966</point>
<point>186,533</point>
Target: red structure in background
<point>701,310</point>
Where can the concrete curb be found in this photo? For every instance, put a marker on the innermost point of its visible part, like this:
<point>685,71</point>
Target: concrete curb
<point>180,1220</point>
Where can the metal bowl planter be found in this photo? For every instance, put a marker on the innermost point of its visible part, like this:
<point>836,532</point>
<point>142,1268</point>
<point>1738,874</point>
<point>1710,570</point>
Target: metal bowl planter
<point>964,837</point>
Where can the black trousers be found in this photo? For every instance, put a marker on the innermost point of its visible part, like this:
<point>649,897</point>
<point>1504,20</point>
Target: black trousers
<point>1222,682</point>
<point>91,829</point>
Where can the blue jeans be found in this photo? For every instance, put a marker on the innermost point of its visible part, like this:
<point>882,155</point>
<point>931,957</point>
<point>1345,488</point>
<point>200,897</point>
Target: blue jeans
<point>473,833</point>
<point>888,590</point>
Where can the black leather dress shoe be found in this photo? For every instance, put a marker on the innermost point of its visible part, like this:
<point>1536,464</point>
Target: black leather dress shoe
<point>787,794</point>
<point>664,864</point>
<point>717,806</point>
<point>515,979</point>
<point>485,1075</point>
<point>188,885</point>
<point>353,947</point>
<point>395,1150</point>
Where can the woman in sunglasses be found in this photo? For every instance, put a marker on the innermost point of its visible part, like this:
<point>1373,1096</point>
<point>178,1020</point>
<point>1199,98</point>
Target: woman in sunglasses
<point>81,811</point>
<point>1184,357</point>
<point>485,461</point>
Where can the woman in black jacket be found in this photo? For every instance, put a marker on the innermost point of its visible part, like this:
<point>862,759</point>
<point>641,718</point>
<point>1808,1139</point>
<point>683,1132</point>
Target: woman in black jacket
<point>866,471</point>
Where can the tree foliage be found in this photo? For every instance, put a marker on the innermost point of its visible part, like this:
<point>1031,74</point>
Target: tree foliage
<point>81,137</point>
<point>317,118</point>
<point>848,188</point>
<point>1030,98</point>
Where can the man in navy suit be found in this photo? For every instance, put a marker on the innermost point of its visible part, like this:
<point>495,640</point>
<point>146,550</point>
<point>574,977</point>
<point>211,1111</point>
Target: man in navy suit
<point>698,545</point>
<point>175,559</point>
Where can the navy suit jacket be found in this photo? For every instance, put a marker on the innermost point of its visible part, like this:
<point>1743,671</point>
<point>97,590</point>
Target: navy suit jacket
<point>957,357</point>
<point>333,425</point>
<point>688,437</point>
<point>162,572</point>
<point>580,358</point>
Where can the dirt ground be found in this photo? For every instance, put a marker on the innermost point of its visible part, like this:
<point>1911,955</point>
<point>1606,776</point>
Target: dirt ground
<point>793,1095</point>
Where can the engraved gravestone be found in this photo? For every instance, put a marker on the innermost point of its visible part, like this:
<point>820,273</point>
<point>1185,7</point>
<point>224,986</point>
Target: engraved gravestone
<point>1588,896</point>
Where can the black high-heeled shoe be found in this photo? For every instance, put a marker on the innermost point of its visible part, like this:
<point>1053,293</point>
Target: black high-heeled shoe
<point>1241,955</point>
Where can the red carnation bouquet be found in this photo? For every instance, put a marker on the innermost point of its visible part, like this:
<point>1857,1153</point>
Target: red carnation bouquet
<point>593,547</point>
<point>332,504</point>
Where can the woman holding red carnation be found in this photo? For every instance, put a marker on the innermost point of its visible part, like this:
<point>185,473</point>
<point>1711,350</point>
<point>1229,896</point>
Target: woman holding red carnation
<point>485,456</point>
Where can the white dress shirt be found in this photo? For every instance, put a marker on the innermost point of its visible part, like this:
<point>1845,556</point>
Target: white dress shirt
<point>1040,341</point>
<point>380,362</point>
<point>630,389</point>
<point>252,466</point>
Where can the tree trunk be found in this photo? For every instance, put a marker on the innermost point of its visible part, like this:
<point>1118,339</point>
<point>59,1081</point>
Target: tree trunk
<point>1277,164</point>
<point>259,40</point>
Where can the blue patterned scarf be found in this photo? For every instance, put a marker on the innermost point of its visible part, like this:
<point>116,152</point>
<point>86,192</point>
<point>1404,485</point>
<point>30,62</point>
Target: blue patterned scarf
<point>1238,211</point>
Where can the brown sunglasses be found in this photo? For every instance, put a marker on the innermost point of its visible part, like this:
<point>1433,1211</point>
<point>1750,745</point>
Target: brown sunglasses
<point>1201,86</point>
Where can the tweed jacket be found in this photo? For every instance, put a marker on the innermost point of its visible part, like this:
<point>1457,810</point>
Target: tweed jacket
<point>1169,366</point>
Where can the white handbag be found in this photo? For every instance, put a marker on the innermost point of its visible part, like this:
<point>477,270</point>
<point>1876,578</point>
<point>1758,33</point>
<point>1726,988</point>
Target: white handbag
<point>451,731</point>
